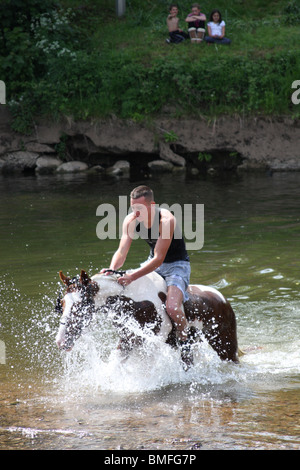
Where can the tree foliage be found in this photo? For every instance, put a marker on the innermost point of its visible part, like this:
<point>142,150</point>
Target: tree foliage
<point>86,63</point>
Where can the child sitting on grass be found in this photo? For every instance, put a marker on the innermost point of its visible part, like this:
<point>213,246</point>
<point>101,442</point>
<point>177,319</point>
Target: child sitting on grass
<point>176,34</point>
<point>216,29</point>
<point>196,21</point>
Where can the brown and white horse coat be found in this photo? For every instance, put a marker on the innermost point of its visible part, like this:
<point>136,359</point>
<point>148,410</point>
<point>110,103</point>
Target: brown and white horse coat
<point>143,301</point>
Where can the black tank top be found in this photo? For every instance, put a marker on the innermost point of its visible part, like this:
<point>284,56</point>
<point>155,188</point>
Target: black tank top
<point>177,249</point>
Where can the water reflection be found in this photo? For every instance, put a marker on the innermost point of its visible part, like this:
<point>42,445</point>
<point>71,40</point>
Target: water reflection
<point>176,420</point>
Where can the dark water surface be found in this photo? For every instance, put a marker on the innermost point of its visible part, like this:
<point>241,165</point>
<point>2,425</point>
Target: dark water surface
<point>88,400</point>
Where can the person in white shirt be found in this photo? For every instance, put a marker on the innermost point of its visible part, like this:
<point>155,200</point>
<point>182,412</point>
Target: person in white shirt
<point>216,29</point>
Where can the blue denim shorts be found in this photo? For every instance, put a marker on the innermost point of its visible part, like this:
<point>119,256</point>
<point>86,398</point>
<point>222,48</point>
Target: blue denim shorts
<point>176,274</point>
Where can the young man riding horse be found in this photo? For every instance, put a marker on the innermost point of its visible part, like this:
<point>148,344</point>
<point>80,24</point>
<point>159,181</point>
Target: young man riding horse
<point>168,255</point>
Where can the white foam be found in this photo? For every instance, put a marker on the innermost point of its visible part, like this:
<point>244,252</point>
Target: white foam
<point>154,366</point>
<point>96,364</point>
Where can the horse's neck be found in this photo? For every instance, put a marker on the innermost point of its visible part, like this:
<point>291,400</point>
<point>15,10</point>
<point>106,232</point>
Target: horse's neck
<point>144,288</point>
<point>108,286</point>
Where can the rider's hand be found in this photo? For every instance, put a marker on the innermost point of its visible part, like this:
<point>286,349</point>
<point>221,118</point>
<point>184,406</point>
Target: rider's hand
<point>104,271</point>
<point>125,280</point>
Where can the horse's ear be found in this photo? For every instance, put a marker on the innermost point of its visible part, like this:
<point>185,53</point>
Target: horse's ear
<point>66,280</point>
<point>84,278</point>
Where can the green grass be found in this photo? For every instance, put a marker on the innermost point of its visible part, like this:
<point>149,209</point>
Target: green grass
<point>123,66</point>
<point>253,27</point>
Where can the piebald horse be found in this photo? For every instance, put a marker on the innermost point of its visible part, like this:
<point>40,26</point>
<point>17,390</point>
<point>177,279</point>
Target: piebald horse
<point>143,301</point>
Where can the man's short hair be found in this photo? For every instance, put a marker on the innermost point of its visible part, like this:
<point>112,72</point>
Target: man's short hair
<point>142,191</point>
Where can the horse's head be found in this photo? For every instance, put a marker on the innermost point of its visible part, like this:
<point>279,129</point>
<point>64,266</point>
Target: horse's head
<point>76,308</point>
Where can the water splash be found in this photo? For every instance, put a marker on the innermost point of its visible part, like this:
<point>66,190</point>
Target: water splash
<point>152,367</point>
<point>94,365</point>
<point>28,327</point>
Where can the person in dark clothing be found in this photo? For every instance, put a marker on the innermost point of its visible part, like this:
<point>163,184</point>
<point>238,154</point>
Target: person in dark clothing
<point>176,35</point>
<point>168,255</point>
<point>196,21</point>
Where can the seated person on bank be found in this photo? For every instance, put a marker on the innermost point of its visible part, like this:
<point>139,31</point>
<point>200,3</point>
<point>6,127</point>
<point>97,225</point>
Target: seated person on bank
<point>176,34</point>
<point>216,29</point>
<point>196,21</point>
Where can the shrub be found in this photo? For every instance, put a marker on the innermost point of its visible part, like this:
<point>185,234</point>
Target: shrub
<point>52,67</point>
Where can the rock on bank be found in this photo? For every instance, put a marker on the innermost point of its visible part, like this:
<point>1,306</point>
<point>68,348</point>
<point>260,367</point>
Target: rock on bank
<point>222,144</point>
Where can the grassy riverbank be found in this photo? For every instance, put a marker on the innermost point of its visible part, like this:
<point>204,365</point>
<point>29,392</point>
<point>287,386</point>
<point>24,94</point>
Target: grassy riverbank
<point>80,60</point>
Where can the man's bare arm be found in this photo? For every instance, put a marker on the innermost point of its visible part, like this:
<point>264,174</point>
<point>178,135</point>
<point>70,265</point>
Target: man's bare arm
<point>120,255</point>
<point>167,228</point>
<point>190,19</point>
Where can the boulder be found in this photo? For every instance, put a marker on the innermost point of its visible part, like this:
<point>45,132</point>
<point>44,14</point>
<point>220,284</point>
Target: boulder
<point>160,166</point>
<point>72,167</point>
<point>292,164</point>
<point>38,148</point>
<point>18,162</point>
<point>96,169</point>
<point>45,165</point>
<point>166,153</point>
<point>120,168</point>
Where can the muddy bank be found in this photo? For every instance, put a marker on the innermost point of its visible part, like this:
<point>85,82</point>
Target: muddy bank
<point>116,147</point>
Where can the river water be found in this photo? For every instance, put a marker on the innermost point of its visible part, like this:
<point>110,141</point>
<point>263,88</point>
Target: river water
<point>86,399</point>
